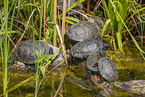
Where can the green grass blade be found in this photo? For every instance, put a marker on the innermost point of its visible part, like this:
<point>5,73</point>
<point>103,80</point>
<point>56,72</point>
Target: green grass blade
<point>135,13</point>
<point>108,13</point>
<point>135,42</point>
<point>104,27</point>
<point>118,35</point>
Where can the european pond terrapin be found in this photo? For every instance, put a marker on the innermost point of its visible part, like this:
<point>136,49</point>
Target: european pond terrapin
<point>25,51</point>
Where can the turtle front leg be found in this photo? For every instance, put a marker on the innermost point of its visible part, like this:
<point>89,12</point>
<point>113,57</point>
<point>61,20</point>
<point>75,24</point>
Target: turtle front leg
<point>13,57</point>
<point>88,75</point>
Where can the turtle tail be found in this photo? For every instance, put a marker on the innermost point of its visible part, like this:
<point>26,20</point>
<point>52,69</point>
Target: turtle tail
<point>13,57</point>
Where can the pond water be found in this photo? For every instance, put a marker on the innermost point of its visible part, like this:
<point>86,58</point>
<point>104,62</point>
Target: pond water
<point>129,64</point>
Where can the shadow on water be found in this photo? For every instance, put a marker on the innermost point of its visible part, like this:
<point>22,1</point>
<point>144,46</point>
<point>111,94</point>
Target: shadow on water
<point>129,65</point>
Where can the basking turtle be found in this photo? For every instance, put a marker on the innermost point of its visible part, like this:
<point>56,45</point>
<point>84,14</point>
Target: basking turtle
<point>81,31</point>
<point>87,47</point>
<point>107,70</point>
<point>25,51</point>
<point>102,65</point>
<point>92,61</point>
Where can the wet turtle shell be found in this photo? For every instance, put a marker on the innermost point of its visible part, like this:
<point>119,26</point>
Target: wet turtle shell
<point>25,51</point>
<point>78,7</point>
<point>81,31</point>
<point>92,62</point>
<point>87,47</point>
<point>107,69</point>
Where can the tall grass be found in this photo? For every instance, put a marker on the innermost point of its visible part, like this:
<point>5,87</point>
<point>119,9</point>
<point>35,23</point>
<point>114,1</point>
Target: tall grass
<point>30,25</point>
<point>5,65</point>
<point>5,49</point>
<point>118,12</point>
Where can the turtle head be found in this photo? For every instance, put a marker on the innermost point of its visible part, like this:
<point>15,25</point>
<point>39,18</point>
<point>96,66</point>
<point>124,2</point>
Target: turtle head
<point>106,46</point>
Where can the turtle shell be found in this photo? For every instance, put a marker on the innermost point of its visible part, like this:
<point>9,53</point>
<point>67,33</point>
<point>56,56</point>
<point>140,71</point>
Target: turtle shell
<point>25,50</point>
<point>78,7</point>
<point>92,62</point>
<point>86,47</point>
<point>107,69</point>
<point>81,31</point>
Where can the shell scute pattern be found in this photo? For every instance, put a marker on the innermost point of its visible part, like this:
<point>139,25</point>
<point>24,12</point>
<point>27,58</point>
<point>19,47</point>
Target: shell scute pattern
<point>107,69</point>
<point>91,46</point>
<point>25,51</point>
<point>84,48</point>
<point>81,31</point>
<point>92,62</point>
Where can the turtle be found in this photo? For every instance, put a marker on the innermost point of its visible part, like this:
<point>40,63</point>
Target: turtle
<point>78,7</point>
<point>25,51</point>
<point>89,46</point>
<point>81,31</point>
<point>107,69</point>
<point>92,62</point>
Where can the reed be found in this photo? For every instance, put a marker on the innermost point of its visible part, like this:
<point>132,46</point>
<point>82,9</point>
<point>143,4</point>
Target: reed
<point>119,13</point>
<point>5,48</point>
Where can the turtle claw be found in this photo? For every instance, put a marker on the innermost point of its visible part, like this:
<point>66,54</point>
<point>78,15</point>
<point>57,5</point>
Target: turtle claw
<point>101,80</point>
